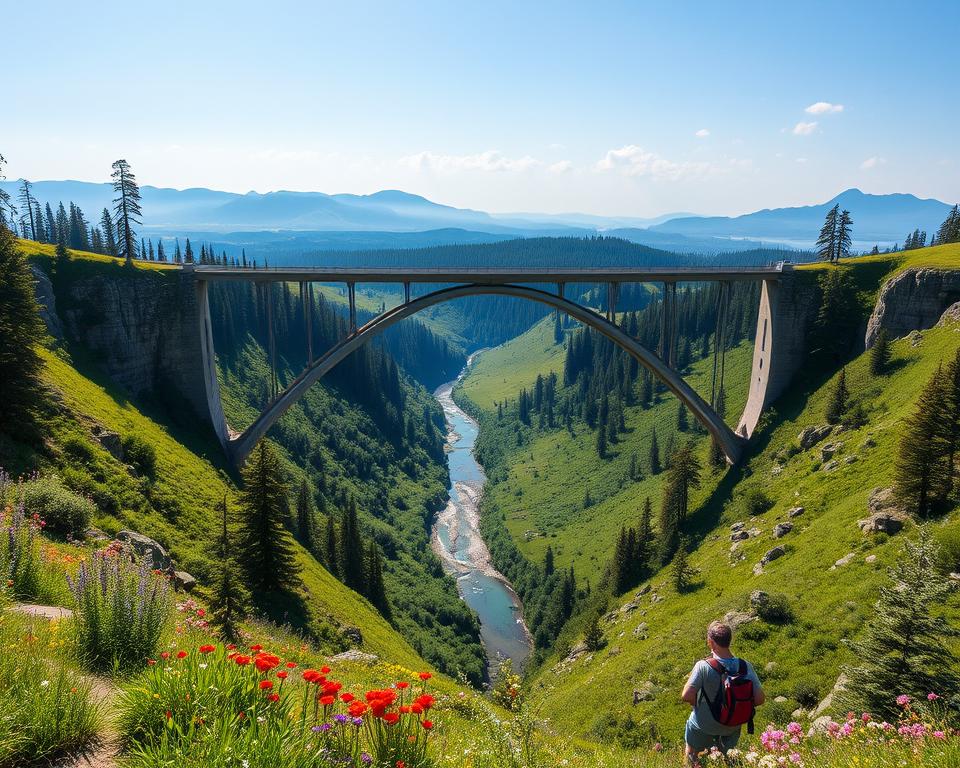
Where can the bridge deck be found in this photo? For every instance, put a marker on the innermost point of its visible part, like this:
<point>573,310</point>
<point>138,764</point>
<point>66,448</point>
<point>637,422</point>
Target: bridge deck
<point>491,276</point>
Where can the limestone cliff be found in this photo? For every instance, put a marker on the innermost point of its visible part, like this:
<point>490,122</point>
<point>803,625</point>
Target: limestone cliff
<point>913,301</point>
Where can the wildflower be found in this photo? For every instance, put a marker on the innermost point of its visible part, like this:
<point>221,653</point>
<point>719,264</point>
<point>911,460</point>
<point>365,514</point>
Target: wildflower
<point>151,662</point>
<point>340,718</point>
<point>274,697</point>
<point>241,660</point>
<point>357,721</point>
<point>346,698</point>
<point>265,685</point>
<point>903,700</point>
<point>403,684</point>
<point>427,724</point>
<point>181,654</point>
<point>291,665</point>
<point>282,675</point>
<point>207,648</point>
<point>401,764</point>
<point>391,718</point>
<point>44,683</point>
<point>326,701</point>
<point>425,676</point>
<point>311,675</point>
<point>256,648</point>
<point>365,758</point>
<point>266,661</point>
<point>425,700</point>
<point>325,670</point>
<point>939,735</point>
<point>165,655</point>
<point>932,697</point>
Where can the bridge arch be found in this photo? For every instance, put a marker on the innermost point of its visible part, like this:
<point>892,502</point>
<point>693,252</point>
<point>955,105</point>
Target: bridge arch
<point>239,446</point>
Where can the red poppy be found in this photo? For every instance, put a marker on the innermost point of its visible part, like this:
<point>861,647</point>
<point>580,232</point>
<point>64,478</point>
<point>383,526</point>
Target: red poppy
<point>405,710</point>
<point>401,764</point>
<point>241,659</point>
<point>416,709</point>
<point>207,648</point>
<point>291,665</point>
<point>425,700</point>
<point>310,675</point>
<point>181,654</point>
<point>325,670</point>
<point>427,724</point>
<point>282,675</point>
<point>165,655</point>
<point>391,718</point>
<point>201,613</point>
<point>266,661</point>
<point>331,687</point>
<point>168,714</point>
<point>326,701</point>
<point>346,698</point>
<point>150,662</point>
<point>425,675</point>
<point>265,685</point>
<point>256,648</point>
<point>231,647</point>
<point>357,709</point>
<point>403,684</point>
<point>274,697</point>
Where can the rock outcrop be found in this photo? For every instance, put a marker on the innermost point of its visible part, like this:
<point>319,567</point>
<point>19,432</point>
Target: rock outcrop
<point>913,301</point>
<point>144,546</point>
<point>43,290</point>
<point>812,435</point>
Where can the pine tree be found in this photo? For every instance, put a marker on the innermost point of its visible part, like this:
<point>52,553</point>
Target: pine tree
<point>8,211</point>
<point>952,417</point>
<point>351,546</point>
<point>109,240</point>
<point>682,475</point>
<point>827,241</point>
<point>330,549</point>
<point>654,453</point>
<point>593,638</point>
<point>305,530</point>
<point>880,353</point>
<point>682,423</point>
<point>27,200</point>
<point>265,547</point>
<point>557,329</point>
<point>844,236</point>
<point>126,209</point>
<point>949,231</point>
<point>632,471</point>
<point>548,562</point>
<point>602,440</point>
<point>229,598</point>
<point>904,648</point>
<point>837,404</point>
<point>645,542</point>
<point>20,329</point>
<point>376,591</point>
<point>922,477</point>
<point>680,571</point>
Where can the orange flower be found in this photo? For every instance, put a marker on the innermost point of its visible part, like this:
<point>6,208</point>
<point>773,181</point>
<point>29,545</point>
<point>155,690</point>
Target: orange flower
<point>427,724</point>
<point>265,685</point>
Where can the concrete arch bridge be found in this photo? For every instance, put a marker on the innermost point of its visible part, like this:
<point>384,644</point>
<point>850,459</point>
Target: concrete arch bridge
<point>778,350</point>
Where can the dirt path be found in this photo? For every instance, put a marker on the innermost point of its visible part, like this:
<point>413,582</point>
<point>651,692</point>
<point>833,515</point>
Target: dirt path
<point>103,753</point>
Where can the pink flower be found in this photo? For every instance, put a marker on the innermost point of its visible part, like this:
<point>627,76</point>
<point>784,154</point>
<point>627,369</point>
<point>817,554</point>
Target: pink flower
<point>939,735</point>
<point>865,717</point>
<point>903,700</point>
<point>932,697</point>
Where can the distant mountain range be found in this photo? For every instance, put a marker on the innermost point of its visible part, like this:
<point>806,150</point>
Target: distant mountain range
<point>392,218</point>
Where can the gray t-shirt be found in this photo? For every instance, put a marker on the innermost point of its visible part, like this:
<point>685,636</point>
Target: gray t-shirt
<point>707,683</point>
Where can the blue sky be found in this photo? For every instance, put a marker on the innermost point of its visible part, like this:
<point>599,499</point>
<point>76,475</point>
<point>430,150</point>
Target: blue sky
<point>609,108</point>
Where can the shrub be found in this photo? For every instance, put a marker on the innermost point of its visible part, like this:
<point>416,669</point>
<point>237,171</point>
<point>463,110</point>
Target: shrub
<point>78,450</point>
<point>807,693</point>
<point>776,609</point>
<point>121,610</point>
<point>140,454</point>
<point>63,511</point>
<point>756,502</point>
<point>25,574</point>
<point>506,688</point>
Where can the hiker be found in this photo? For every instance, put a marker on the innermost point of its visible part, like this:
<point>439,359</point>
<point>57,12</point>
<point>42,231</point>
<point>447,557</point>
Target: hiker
<point>724,691</point>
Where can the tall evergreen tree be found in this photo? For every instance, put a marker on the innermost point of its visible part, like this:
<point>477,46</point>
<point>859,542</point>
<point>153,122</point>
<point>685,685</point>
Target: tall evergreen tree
<point>602,440</point>
<point>880,353</point>
<point>8,212</point>
<point>265,546</point>
<point>827,241</point>
<point>683,474</point>
<point>922,477</point>
<point>844,236</point>
<point>949,231</point>
<point>654,453</point>
<point>904,648</point>
<point>27,201</point>
<point>376,591</point>
<point>837,405</point>
<point>109,240</point>
<point>20,328</point>
<point>548,562</point>
<point>126,209</point>
<point>330,549</point>
<point>680,570</point>
<point>305,530</point>
<point>229,598</point>
<point>952,418</point>
<point>351,546</point>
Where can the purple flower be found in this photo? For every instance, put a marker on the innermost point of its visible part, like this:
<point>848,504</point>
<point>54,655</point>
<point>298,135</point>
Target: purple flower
<point>365,758</point>
<point>340,718</point>
<point>358,721</point>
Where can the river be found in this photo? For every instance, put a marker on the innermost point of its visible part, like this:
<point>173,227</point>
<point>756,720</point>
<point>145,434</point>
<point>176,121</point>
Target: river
<point>456,539</point>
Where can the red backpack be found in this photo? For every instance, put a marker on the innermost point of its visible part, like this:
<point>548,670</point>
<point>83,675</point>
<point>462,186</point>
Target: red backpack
<point>733,705</point>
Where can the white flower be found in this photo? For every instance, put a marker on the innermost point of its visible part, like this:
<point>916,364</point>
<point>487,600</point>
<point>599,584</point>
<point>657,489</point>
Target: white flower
<point>44,683</point>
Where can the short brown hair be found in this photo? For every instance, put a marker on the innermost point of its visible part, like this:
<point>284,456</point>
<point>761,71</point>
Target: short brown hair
<point>720,633</point>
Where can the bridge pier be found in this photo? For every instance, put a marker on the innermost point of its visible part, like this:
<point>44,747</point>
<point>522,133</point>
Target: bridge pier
<point>352,300</point>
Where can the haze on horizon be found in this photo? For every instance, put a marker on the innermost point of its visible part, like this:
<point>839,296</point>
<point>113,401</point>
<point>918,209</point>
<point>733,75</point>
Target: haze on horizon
<point>617,109</point>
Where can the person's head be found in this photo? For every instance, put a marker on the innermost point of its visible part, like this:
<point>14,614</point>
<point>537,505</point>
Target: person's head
<point>719,636</point>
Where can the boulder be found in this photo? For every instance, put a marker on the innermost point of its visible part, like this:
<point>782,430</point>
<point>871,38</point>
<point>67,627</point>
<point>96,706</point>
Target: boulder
<point>736,619</point>
<point>184,581</point>
<point>770,666</point>
<point>950,316</point>
<point>615,651</point>
<point>739,536</point>
<point>358,657</point>
<point>577,651</point>
<point>641,630</point>
<point>759,599</point>
<point>827,701</point>
<point>754,532</point>
<point>772,555</point>
<point>820,725</point>
<point>758,569</point>
<point>780,699</point>
<point>882,522</point>
<point>845,560</point>
<point>870,559</point>
<point>868,444</point>
<point>109,441</point>
<point>629,607</point>
<point>776,470</point>
<point>883,500</point>
<point>830,465</point>
<point>795,511</point>
<point>144,546</point>
<point>810,436</point>
<point>798,713</point>
<point>782,529</point>
<point>851,459</point>
<point>646,692</point>
<point>737,526</point>
<point>643,590</point>
<point>827,451</point>
<point>916,338</point>
<point>655,598</point>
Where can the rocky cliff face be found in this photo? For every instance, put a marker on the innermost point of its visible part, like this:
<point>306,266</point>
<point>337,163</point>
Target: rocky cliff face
<point>913,301</point>
<point>142,329</point>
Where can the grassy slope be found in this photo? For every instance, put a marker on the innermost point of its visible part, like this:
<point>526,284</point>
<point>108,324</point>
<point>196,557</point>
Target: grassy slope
<point>546,480</point>
<point>190,481</point>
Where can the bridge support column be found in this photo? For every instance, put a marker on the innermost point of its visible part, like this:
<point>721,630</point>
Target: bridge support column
<point>208,362</point>
<point>352,300</point>
<point>613,295</point>
<point>780,346</point>
<point>406,293</point>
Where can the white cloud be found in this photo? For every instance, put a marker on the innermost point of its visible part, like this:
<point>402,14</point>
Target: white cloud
<point>702,133</point>
<point>804,129</point>
<point>823,108</point>
<point>563,166</point>
<point>872,162</point>
<point>632,160</point>
<point>490,161</point>
<point>801,160</point>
